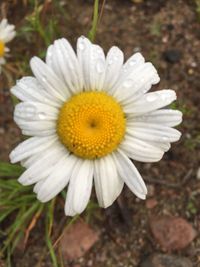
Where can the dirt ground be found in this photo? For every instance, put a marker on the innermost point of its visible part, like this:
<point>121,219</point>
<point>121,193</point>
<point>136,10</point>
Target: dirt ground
<point>167,32</point>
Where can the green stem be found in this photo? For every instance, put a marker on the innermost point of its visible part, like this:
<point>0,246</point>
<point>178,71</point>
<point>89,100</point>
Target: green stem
<point>92,32</point>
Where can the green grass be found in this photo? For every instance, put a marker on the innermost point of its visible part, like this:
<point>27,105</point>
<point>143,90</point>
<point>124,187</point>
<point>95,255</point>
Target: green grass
<point>182,107</point>
<point>20,211</point>
<point>35,23</point>
<point>197,2</point>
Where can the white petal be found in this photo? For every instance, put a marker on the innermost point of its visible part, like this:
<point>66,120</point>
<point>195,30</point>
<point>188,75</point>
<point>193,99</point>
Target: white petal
<point>83,53</point>
<point>49,80</point>
<point>137,83</point>
<point>80,187</point>
<point>2,61</point>
<point>108,184</point>
<point>35,111</point>
<point>29,89</point>
<point>132,63</point>
<point>130,174</point>
<point>7,31</point>
<point>30,147</point>
<point>92,61</point>
<point>50,61</point>
<point>150,102</point>
<point>140,150</point>
<point>3,23</point>
<point>7,36</point>
<point>167,117</point>
<point>114,62</point>
<point>38,132</point>
<point>38,185</point>
<point>28,162</point>
<point>62,59</point>
<point>57,180</point>
<point>153,132</point>
<point>164,146</point>
<point>36,128</point>
<point>44,166</point>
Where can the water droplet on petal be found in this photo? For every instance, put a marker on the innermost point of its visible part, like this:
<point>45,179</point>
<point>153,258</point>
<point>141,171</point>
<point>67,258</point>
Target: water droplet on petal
<point>127,83</point>
<point>132,62</point>
<point>165,139</point>
<point>44,78</point>
<point>164,97</point>
<point>42,115</point>
<point>81,44</point>
<point>151,97</point>
<point>100,66</point>
<point>30,109</point>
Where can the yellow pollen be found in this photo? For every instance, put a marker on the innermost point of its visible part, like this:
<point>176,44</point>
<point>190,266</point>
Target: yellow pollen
<point>2,48</point>
<point>91,124</point>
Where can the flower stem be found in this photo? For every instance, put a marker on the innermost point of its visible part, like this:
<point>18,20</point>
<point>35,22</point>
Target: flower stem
<point>92,32</point>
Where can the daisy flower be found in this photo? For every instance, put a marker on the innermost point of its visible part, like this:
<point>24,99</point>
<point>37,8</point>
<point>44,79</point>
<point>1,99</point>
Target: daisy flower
<point>7,33</point>
<point>88,116</point>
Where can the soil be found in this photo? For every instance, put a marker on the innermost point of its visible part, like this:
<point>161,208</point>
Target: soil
<point>167,33</point>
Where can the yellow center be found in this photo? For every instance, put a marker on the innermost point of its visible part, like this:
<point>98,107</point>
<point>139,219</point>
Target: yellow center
<point>91,124</point>
<point>2,48</point>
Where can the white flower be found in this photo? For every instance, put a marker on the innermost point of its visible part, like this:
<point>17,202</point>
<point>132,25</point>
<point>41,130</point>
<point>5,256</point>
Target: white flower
<point>7,33</point>
<point>87,115</point>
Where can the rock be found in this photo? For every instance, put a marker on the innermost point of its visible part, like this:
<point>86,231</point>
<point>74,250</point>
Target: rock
<point>172,55</point>
<point>162,260</point>
<point>172,233</point>
<point>2,264</point>
<point>77,240</point>
<point>151,203</point>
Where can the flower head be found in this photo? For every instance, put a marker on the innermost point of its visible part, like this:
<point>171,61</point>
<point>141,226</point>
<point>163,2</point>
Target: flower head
<point>7,33</point>
<point>88,116</point>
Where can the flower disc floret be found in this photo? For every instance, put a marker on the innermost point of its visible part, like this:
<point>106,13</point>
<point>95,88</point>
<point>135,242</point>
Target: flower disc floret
<point>91,124</point>
<point>2,48</point>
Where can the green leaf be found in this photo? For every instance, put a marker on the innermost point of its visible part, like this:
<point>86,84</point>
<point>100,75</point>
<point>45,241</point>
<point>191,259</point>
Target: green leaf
<point>8,169</point>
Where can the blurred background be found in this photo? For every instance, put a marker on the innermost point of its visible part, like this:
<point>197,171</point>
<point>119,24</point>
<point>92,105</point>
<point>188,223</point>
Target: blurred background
<point>162,231</point>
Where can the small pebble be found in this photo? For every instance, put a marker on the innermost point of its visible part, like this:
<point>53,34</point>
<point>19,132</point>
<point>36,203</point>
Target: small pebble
<point>172,55</point>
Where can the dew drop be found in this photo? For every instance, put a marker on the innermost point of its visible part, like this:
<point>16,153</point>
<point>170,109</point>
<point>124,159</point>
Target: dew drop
<point>151,97</point>
<point>42,115</point>
<point>81,44</point>
<point>30,109</point>
<point>132,62</point>
<point>127,83</point>
<point>164,97</point>
<point>165,139</point>
<point>112,59</point>
<point>49,54</point>
<point>44,78</point>
<point>100,66</point>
